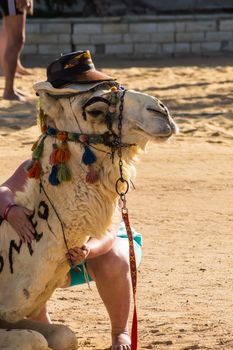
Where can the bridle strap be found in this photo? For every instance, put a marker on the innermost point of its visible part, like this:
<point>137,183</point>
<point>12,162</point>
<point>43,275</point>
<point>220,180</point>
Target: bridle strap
<point>76,137</point>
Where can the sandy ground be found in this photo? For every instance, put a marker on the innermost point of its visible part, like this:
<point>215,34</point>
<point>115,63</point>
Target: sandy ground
<point>183,205</point>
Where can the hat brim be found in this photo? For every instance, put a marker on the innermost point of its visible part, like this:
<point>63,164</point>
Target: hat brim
<point>76,83</point>
<point>75,88</point>
<point>88,76</point>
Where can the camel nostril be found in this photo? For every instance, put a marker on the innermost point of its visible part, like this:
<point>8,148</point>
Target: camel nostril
<point>162,106</point>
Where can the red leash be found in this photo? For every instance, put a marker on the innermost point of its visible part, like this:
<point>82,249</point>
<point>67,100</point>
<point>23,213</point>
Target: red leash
<point>124,183</point>
<point>133,272</point>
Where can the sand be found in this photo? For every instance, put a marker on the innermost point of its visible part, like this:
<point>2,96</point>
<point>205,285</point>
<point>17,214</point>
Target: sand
<point>183,205</point>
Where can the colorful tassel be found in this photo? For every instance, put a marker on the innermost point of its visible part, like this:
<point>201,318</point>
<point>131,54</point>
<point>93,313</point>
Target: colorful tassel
<point>53,179</point>
<point>52,157</point>
<point>63,173</point>
<point>88,156</point>
<point>63,153</point>
<point>92,175</point>
<point>35,170</point>
<point>38,150</point>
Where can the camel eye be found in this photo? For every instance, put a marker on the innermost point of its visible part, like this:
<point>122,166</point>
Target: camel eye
<point>92,105</point>
<point>95,113</point>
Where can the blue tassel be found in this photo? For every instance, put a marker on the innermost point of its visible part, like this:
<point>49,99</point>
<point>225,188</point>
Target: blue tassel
<point>53,180</point>
<point>88,156</point>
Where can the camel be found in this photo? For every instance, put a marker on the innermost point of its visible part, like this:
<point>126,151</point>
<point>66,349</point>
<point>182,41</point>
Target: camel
<point>98,135</point>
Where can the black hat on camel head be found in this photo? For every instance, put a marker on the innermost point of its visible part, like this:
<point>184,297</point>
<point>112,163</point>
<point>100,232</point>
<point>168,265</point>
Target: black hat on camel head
<point>72,72</point>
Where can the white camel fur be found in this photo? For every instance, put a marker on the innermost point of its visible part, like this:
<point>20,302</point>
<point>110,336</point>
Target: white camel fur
<point>30,274</point>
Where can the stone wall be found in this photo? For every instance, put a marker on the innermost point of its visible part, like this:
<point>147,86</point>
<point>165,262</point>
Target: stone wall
<point>132,36</point>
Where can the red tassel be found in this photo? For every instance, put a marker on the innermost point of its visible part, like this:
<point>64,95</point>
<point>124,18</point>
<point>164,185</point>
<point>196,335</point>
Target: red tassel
<point>35,170</point>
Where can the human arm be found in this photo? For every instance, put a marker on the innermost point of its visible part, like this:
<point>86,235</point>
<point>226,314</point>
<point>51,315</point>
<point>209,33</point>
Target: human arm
<point>93,248</point>
<point>17,216</point>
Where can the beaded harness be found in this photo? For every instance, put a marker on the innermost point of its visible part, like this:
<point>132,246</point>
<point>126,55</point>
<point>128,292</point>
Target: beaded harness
<point>61,154</point>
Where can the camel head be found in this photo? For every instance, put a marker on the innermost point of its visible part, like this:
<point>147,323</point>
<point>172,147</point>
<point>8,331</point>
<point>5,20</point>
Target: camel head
<point>140,117</point>
<point>83,105</point>
<point>106,118</point>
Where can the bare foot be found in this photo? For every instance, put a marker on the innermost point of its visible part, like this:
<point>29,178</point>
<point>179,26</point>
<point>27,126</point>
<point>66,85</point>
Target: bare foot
<point>13,96</point>
<point>23,71</point>
<point>121,341</point>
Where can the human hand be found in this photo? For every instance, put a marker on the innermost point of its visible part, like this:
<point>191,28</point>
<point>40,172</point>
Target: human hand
<point>18,219</point>
<point>77,254</point>
<point>22,5</point>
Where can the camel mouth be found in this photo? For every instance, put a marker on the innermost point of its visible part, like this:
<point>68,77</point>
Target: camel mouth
<point>162,130</point>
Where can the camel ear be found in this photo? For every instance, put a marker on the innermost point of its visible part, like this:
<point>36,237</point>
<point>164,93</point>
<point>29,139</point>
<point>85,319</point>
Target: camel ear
<point>50,105</point>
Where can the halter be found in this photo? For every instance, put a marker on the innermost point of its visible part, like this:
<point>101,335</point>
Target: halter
<point>60,154</point>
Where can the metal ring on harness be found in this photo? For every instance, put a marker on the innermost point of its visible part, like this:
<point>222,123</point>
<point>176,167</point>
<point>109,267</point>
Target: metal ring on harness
<point>123,181</point>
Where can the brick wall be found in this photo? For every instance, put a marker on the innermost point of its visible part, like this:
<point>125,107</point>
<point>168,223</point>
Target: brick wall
<point>132,36</point>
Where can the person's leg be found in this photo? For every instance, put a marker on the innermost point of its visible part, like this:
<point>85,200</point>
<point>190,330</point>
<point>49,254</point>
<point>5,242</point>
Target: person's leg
<point>20,69</point>
<point>112,276</point>
<point>15,33</point>
<point>2,47</point>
